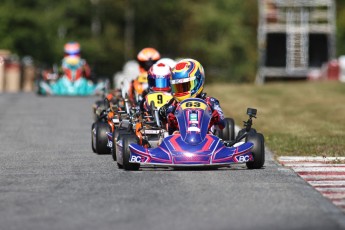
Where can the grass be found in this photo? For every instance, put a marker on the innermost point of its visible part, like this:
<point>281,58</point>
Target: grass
<point>297,119</point>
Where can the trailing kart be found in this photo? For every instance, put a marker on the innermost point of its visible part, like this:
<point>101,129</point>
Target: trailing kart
<point>194,145</point>
<point>143,128</point>
<point>108,120</point>
<point>71,83</point>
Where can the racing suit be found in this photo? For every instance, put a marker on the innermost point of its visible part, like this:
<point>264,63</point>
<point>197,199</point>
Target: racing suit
<point>82,64</point>
<point>167,111</point>
<point>137,88</point>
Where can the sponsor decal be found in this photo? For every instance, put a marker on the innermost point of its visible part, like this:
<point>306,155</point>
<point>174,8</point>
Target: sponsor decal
<point>194,129</point>
<point>135,159</point>
<point>193,117</point>
<point>243,158</point>
<point>151,131</point>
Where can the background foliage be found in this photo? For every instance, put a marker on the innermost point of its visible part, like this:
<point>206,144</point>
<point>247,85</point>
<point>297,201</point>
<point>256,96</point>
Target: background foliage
<point>221,34</point>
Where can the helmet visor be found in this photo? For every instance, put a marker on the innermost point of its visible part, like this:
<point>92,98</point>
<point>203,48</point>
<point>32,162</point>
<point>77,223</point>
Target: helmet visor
<point>159,82</point>
<point>182,87</point>
<point>146,65</point>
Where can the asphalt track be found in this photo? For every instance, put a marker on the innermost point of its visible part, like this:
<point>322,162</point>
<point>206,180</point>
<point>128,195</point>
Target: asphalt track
<point>51,179</point>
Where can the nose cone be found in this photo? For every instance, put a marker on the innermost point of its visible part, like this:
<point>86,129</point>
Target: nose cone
<point>193,138</point>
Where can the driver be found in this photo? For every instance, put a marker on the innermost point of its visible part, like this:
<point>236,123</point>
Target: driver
<point>146,58</point>
<point>159,91</point>
<point>72,58</point>
<point>187,81</point>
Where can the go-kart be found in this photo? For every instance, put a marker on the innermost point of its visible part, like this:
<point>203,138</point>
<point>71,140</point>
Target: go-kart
<point>143,126</point>
<point>194,145</point>
<point>104,102</point>
<point>108,119</point>
<point>71,83</point>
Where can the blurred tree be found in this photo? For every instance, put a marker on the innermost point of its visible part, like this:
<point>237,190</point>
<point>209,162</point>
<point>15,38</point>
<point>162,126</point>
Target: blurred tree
<point>221,34</point>
<point>340,27</point>
<point>159,24</point>
<point>223,37</point>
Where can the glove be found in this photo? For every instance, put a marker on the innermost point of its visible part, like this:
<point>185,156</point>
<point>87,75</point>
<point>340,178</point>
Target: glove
<point>162,112</point>
<point>172,121</point>
<point>214,119</point>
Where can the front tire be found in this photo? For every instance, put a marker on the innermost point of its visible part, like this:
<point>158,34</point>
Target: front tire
<point>102,138</point>
<point>117,132</point>
<point>258,150</point>
<point>126,140</point>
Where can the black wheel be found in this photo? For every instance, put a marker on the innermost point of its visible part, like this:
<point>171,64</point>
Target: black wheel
<point>242,131</point>
<point>119,166</point>
<point>258,150</point>
<point>113,153</point>
<point>39,89</point>
<point>99,105</point>
<point>126,140</point>
<point>93,138</point>
<point>117,131</point>
<point>228,133</point>
<point>102,138</point>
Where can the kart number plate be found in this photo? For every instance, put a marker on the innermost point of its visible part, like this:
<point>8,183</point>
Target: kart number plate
<point>151,131</point>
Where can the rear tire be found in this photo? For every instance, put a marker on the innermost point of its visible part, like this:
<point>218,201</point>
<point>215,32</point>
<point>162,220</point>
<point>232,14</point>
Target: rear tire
<point>126,140</point>
<point>258,150</point>
<point>93,137</point>
<point>102,138</point>
<point>228,133</point>
<point>229,129</point>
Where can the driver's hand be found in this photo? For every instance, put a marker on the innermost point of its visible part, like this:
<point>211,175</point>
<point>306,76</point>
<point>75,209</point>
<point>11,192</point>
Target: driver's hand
<point>162,112</point>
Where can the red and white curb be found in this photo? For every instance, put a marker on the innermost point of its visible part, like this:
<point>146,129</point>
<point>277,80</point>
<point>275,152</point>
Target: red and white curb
<point>325,174</point>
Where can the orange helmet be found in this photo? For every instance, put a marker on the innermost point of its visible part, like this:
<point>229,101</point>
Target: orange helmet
<point>147,57</point>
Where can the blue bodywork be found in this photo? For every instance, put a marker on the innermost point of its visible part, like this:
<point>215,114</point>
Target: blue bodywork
<point>193,145</point>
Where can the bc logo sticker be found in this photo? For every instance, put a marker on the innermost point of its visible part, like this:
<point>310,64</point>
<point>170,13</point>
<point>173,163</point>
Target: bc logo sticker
<point>243,159</point>
<point>135,159</point>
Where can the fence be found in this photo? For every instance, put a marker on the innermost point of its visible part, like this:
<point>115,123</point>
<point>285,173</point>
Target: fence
<point>16,75</point>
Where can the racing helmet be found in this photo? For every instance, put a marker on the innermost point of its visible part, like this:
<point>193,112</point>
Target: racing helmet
<point>167,61</point>
<point>187,79</point>
<point>147,57</point>
<point>140,83</point>
<point>159,77</point>
<point>142,78</point>
<point>72,48</point>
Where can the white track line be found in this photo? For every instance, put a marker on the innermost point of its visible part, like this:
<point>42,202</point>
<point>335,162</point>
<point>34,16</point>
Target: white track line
<point>311,159</point>
<point>319,169</point>
<point>308,164</point>
<point>331,189</point>
<point>322,177</point>
<point>339,202</point>
<point>333,195</point>
<point>327,183</point>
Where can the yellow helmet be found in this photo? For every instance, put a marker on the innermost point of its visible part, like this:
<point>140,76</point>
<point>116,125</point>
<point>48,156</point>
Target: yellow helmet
<point>187,80</point>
